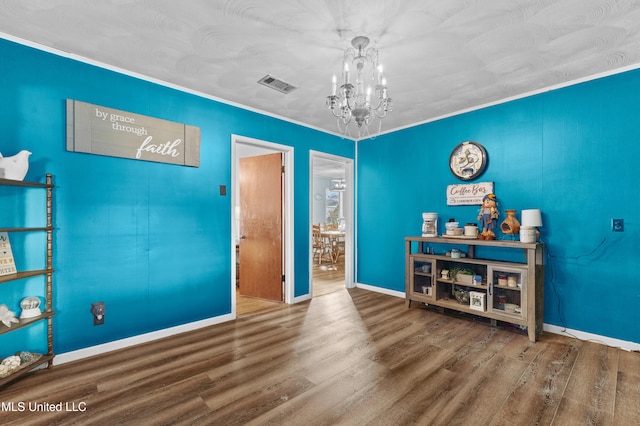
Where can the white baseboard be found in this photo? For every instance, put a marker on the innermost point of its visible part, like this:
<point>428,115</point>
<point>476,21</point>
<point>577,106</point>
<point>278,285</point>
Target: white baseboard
<point>395,293</point>
<point>589,337</point>
<point>563,331</point>
<point>136,340</point>
<point>155,335</point>
<point>302,298</point>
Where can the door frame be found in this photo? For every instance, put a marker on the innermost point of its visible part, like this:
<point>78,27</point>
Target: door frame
<point>349,215</point>
<point>264,147</point>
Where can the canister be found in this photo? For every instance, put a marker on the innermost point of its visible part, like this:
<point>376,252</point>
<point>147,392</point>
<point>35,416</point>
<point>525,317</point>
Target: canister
<point>501,299</point>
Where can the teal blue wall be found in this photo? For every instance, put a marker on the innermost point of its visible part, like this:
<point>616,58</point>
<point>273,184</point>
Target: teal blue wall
<point>572,152</point>
<point>146,237</point>
<point>151,240</point>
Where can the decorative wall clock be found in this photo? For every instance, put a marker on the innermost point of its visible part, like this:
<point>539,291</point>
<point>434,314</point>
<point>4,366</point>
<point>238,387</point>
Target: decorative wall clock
<point>468,160</point>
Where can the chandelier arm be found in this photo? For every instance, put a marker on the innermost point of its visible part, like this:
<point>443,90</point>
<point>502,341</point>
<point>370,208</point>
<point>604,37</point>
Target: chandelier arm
<point>345,132</point>
<point>349,105</point>
<point>379,114</point>
<point>333,111</point>
<point>378,105</point>
<point>346,116</point>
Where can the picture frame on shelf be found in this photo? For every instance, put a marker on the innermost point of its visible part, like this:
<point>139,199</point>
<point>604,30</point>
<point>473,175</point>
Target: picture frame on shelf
<point>477,300</point>
<point>7,263</point>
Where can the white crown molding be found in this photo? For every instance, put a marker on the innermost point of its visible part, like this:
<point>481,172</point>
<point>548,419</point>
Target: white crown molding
<point>143,77</point>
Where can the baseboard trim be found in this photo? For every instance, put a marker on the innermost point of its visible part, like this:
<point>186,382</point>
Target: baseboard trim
<point>136,340</point>
<point>302,298</point>
<point>159,334</point>
<point>395,293</point>
<point>563,331</point>
<point>596,338</point>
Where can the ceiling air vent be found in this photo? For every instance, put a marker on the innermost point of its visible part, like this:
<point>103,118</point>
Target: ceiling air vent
<point>277,84</point>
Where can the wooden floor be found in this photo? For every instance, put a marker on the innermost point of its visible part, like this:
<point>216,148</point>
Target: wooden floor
<point>350,357</point>
<point>326,279</point>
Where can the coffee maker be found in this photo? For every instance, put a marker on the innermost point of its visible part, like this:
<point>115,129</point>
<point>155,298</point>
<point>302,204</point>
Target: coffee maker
<point>429,224</point>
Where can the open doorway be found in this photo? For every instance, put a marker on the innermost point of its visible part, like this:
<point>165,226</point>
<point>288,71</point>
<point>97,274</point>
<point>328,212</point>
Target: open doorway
<point>331,218</point>
<point>258,228</point>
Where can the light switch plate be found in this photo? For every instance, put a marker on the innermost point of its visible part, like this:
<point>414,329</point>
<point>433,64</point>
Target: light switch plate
<point>617,225</point>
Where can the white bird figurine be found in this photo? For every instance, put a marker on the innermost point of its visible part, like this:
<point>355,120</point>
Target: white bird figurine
<point>7,317</point>
<point>15,167</point>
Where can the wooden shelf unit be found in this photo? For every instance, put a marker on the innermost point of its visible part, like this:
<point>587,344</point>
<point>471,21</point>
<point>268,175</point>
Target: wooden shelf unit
<point>46,272</point>
<point>521,303</point>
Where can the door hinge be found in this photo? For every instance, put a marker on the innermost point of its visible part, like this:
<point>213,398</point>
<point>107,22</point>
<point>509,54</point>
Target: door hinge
<point>282,169</point>
<point>282,277</point>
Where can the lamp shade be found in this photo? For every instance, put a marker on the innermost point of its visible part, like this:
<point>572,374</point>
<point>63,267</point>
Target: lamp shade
<point>531,218</point>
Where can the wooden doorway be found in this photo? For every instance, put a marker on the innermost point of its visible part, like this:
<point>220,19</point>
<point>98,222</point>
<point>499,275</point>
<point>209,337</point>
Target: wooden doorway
<point>249,268</point>
<point>260,180</point>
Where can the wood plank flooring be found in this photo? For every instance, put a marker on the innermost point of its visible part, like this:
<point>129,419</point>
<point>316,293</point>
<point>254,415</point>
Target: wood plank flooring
<point>326,279</point>
<point>350,357</point>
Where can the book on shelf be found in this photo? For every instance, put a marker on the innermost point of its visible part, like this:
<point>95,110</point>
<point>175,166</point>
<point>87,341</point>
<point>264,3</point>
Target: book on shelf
<point>7,263</point>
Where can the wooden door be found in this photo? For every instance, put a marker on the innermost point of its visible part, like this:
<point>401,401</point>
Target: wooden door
<point>260,188</point>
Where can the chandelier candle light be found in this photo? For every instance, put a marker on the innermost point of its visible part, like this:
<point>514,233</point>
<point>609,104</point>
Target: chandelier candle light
<point>354,102</point>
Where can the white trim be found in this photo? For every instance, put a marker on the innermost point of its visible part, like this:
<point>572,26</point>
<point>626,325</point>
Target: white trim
<point>513,98</point>
<point>349,214</point>
<point>355,214</point>
<point>159,82</point>
<point>400,294</point>
<point>562,331</point>
<point>167,332</point>
<point>269,114</point>
<point>589,337</point>
<point>288,217</point>
<point>302,298</point>
<point>139,339</point>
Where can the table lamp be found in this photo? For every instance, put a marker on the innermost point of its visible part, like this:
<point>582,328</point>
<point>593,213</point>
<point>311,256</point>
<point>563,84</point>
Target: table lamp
<point>531,220</point>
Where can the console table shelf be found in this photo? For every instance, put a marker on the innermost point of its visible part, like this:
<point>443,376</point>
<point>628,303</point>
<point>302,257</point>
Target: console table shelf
<point>504,290</point>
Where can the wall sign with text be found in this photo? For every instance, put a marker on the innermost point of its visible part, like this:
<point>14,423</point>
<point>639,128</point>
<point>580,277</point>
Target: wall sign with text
<point>106,131</point>
<point>468,194</point>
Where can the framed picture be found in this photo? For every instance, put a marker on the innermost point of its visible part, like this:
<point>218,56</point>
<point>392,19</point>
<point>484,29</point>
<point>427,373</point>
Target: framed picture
<point>7,263</point>
<point>477,300</point>
<point>333,206</point>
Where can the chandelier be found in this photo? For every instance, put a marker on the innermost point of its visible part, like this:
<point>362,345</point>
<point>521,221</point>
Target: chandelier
<point>338,184</point>
<point>367,99</point>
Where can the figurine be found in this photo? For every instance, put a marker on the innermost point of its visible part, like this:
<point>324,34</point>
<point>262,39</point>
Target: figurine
<point>30,307</point>
<point>7,317</point>
<point>16,166</point>
<point>488,216</point>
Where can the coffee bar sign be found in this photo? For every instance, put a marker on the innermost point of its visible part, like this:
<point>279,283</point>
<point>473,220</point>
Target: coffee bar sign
<point>106,131</point>
<point>468,194</point>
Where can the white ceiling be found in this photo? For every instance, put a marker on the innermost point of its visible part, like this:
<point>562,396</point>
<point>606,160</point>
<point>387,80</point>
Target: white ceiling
<point>440,56</point>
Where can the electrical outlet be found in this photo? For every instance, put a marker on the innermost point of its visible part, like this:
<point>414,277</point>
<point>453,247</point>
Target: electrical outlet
<point>617,225</point>
<point>98,310</point>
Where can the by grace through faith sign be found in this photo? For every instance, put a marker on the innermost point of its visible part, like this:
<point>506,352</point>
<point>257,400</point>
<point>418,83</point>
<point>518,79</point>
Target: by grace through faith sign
<point>100,130</point>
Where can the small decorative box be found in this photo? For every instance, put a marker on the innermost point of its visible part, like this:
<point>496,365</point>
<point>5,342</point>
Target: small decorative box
<point>464,279</point>
<point>477,300</point>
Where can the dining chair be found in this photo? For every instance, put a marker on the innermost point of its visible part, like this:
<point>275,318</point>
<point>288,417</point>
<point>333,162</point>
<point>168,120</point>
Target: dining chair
<point>320,247</point>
